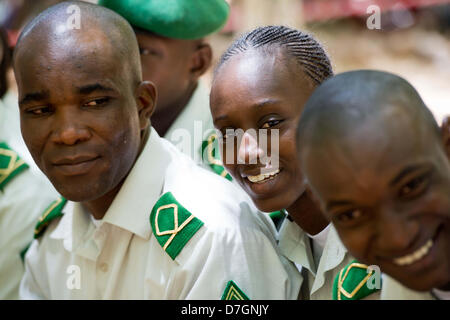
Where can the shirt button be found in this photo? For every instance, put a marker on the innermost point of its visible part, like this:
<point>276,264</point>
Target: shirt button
<point>104,267</point>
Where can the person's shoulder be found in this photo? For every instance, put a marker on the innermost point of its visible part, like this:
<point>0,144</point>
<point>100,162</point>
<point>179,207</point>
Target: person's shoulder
<point>210,197</point>
<point>50,218</point>
<point>11,166</point>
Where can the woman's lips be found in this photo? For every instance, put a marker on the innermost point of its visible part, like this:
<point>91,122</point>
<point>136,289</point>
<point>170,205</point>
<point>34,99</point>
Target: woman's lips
<point>263,184</point>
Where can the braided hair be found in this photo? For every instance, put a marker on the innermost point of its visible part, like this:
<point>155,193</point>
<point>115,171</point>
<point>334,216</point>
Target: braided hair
<point>305,50</point>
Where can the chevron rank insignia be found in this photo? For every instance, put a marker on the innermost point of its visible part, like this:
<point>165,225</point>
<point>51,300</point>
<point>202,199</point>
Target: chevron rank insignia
<point>172,224</point>
<point>53,211</point>
<point>10,164</point>
<point>351,282</point>
<point>233,292</point>
<point>211,155</point>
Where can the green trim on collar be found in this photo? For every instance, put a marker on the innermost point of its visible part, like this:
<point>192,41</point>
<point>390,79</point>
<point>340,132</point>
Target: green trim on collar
<point>172,224</point>
<point>10,165</point>
<point>233,292</point>
<point>211,156</point>
<point>53,211</point>
<point>351,282</point>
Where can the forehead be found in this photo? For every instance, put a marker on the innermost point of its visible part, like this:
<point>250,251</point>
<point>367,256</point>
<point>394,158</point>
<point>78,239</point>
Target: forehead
<point>375,152</point>
<point>70,57</point>
<point>256,74</point>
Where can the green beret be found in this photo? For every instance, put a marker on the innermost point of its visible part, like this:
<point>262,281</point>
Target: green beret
<point>180,19</point>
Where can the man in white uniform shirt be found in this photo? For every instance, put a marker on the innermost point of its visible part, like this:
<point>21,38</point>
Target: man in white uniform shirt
<point>163,227</point>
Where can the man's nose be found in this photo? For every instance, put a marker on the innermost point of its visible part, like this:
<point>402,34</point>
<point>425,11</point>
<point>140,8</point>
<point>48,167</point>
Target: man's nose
<point>69,128</point>
<point>249,150</point>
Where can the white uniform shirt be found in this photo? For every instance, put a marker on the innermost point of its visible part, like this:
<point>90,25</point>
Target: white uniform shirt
<point>10,127</point>
<point>394,290</point>
<point>196,121</point>
<point>122,259</point>
<point>22,201</point>
<point>295,245</point>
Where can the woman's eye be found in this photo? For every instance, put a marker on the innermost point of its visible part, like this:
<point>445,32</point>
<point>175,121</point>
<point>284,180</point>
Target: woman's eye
<point>349,216</point>
<point>270,124</point>
<point>96,102</point>
<point>414,187</point>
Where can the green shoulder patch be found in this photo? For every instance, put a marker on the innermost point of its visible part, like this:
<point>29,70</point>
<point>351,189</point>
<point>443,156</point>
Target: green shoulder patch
<point>233,292</point>
<point>351,282</point>
<point>53,211</point>
<point>10,164</point>
<point>172,224</point>
<point>211,155</point>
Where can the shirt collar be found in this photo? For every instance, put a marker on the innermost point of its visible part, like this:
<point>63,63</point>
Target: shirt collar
<point>294,245</point>
<point>195,110</point>
<point>131,207</point>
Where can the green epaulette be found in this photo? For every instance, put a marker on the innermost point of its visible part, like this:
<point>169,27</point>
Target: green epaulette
<point>53,211</point>
<point>10,164</point>
<point>211,155</point>
<point>352,282</point>
<point>172,224</point>
<point>233,292</point>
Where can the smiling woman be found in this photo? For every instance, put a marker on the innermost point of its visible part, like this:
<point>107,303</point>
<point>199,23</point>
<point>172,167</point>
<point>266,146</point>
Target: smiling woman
<point>262,82</point>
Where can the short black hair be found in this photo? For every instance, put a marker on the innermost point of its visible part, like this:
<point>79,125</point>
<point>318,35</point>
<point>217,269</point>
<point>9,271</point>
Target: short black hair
<point>302,47</point>
<point>349,99</point>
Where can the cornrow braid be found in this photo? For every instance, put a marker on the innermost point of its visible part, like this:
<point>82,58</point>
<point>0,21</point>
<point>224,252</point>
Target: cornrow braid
<point>308,53</point>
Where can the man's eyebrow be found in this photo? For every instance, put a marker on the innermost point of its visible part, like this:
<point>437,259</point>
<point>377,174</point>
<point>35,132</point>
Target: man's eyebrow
<point>34,96</point>
<point>87,89</point>
<point>405,172</point>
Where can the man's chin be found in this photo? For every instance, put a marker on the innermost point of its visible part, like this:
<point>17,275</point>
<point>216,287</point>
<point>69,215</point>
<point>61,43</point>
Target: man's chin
<point>77,193</point>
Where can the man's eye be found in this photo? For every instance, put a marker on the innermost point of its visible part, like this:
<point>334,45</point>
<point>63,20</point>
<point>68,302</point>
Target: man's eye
<point>414,187</point>
<point>349,216</point>
<point>38,111</point>
<point>270,124</point>
<point>96,102</point>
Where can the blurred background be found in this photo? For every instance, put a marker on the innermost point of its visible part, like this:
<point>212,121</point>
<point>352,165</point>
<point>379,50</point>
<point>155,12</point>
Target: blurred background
<point>413,39</point>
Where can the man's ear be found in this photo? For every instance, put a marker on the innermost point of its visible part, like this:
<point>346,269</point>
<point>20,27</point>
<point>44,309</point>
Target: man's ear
<point>146,101</point>
<point>445,130</point>
<point>201,60</point>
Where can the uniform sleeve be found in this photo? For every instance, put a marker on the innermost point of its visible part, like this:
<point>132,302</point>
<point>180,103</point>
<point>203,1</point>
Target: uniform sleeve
<point>232,263</point>
<point>21,203</point>
<point>29,286</point>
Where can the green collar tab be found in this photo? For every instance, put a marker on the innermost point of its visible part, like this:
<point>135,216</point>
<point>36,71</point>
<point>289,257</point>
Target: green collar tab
<point>351,282</point>
<point>179,19</point>
<point>233,292</point>
<point>172,224</point>
<point>53,211</point>
<point>211,155</point>
<point>10,164</point>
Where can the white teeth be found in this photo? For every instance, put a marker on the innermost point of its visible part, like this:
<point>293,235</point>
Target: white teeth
<point>261,177</point>
<point>415,256</point>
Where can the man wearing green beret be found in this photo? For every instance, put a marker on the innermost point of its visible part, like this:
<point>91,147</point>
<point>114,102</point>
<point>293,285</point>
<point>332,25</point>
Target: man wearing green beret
<point>174,55</point>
